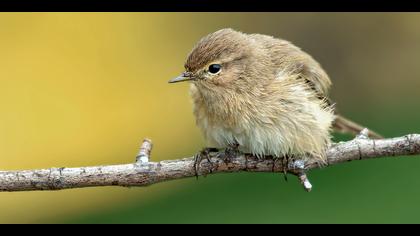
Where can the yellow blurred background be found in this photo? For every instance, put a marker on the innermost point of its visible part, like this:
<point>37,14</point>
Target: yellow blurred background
<point>80,89</point>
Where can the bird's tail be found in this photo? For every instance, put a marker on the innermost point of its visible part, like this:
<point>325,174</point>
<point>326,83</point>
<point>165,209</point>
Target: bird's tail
<point>344,125</point>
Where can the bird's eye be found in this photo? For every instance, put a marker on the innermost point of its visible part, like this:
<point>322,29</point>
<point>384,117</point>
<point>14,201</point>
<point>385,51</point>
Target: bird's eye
<point>214,68</point>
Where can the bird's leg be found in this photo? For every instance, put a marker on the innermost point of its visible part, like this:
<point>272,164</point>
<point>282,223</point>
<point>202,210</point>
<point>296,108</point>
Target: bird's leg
<point>285,162</point>
<point>198,158</point>
<point>230,152</point>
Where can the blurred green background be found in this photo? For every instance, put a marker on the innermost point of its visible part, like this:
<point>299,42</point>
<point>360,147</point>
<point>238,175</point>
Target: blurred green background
<point>80,89</point>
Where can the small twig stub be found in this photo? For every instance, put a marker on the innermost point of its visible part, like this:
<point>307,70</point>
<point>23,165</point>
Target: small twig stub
<point>305,182</point>
<point>145,150</point>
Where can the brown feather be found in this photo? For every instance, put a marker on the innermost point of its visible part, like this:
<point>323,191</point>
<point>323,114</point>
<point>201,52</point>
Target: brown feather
<point>269,97</point>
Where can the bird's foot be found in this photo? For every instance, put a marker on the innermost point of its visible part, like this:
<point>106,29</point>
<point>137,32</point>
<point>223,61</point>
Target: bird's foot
<point>203,154</point>
<point>285,161</point>
<point>230,153</point>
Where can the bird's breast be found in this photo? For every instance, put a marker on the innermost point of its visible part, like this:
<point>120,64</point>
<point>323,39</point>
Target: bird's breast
<point>232,121</point>
<point>264,126</point>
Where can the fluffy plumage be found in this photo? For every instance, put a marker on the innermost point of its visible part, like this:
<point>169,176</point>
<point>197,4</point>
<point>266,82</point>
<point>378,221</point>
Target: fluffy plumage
<point>270,97</point>
<point>266,97</point>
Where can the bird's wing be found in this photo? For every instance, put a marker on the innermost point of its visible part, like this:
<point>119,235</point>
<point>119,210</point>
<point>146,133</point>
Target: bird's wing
<point>289,58</point>
<point>313,78</point>
<point>317,79</point>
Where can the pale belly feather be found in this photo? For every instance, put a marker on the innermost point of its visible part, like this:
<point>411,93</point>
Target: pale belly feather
<point>258,140</point>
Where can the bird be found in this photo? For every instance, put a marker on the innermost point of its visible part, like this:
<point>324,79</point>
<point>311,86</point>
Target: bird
<point>262,95</point>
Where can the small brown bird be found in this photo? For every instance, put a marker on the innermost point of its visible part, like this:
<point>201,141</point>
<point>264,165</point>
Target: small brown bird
<point>261,95</point>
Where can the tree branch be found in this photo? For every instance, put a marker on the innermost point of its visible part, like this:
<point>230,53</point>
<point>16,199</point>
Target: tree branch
<point>143,172</point>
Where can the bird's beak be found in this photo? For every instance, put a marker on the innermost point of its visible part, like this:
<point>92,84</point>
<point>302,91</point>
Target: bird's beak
<point>183,77</point>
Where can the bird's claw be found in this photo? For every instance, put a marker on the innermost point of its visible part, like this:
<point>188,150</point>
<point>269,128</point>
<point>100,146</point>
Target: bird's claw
<point>286,160</point>
<point>284,163</point>
<point>230,153</point>
<point>199,157</point>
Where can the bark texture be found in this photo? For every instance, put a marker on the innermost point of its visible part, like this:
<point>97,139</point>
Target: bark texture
<point>143,173</point>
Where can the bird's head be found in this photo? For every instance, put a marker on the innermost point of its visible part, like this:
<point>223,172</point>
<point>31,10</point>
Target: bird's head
<point>222,59</point>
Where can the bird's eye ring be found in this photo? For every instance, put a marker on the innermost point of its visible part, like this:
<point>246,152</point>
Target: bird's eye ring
<point>215,68</point>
